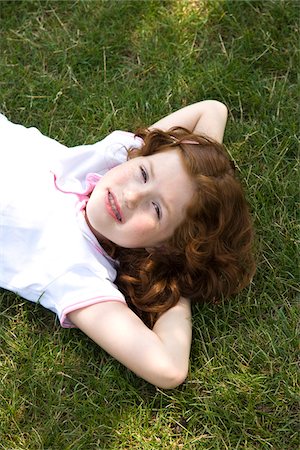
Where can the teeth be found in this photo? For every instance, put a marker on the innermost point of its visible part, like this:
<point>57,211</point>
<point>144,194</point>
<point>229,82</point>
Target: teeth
<point>113,207</point>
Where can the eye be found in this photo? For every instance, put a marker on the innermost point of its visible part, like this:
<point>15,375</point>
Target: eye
<point>144,174</point>
<point>157,210</point>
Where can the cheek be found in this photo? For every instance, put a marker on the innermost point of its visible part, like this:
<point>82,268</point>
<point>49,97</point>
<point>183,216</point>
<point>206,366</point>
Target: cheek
<point>143,224</point>
<point>118,175</point>
<point>96,200</point>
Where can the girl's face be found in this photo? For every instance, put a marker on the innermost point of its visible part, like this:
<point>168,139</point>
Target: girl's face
<point>140,203</point>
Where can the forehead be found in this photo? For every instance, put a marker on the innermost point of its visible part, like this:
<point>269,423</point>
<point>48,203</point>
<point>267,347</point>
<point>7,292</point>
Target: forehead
<point>168,163</point>
<point>171,178</point>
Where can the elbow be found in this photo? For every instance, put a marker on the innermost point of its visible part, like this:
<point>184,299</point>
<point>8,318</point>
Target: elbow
<point>220,107</point>
<point>223,111</point>
<point>172,379</point>
<point>216,107</point>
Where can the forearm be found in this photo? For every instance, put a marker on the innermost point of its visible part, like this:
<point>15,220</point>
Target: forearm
<point>207,117</point>
<point>160,356</point>
<point>174,329</point>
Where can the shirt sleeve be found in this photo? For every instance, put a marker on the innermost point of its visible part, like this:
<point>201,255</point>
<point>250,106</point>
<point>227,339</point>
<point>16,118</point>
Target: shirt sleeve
<point>78,289</point>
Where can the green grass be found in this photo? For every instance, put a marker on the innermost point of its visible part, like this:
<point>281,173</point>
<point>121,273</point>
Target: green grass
<point>80,69</point>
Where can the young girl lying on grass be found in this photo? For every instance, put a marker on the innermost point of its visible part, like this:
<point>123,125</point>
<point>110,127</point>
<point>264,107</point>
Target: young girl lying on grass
<point>160,214</point>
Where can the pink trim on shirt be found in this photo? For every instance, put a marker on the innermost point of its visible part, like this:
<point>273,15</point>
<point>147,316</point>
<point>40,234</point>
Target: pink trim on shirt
<point>66,323</point>
<point>91,180</point>
<point>83,197</point>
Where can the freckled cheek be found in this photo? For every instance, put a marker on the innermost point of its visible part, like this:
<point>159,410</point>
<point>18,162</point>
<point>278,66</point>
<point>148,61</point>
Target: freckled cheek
<point>143,225</point>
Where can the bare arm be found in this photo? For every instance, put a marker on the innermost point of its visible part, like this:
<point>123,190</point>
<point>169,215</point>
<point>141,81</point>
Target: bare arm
<point>208,117</point>
<point>160,356</point>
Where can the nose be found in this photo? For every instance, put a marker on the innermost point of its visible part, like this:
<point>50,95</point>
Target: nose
<point>132,197</point>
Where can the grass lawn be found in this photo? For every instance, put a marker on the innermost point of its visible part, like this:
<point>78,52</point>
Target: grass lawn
<point>78,70</point>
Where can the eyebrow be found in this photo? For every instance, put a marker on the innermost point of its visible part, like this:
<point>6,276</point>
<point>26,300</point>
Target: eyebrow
<point>152,173</point>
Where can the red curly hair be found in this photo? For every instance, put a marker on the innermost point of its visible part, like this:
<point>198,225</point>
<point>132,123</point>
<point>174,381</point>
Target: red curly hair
<point>209,256</point>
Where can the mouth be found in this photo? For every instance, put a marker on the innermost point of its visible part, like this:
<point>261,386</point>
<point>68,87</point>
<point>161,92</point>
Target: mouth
<point>113,207</point>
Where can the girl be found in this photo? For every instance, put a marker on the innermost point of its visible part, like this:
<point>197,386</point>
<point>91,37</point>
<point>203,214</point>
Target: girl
<point>160,213</point>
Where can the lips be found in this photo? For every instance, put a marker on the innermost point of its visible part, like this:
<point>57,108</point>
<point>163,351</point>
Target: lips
<point>113,207</point>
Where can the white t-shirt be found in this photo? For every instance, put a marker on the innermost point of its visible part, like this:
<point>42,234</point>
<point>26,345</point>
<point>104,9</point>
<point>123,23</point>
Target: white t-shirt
<point>48,254</point>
